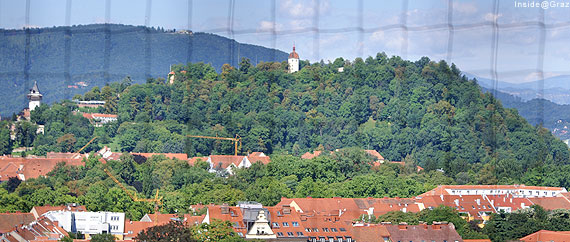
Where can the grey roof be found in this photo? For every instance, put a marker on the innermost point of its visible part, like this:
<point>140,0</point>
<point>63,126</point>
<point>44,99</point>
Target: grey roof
<point>35,88</point>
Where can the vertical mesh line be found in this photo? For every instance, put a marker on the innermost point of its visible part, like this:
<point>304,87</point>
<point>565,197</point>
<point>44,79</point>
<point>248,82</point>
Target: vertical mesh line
<point>494,74</point>
<point>450,30</point>
<point>404,27</point>
<point>360,29</point>
<point>230,32</point>
<point>148,41</point>
<point>540,64</point>
<point>27,48</point>
<point>316,35</point>
<point>190,36</point>
<point>67,46</point>
<point>107,54</point>
<point>273,32</point>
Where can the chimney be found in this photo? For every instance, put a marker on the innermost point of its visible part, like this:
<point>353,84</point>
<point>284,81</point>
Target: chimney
<point>225,208</point>
<point>286,209</point>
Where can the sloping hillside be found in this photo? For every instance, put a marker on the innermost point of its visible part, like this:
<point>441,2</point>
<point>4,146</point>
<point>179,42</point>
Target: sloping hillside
<point>105,53</point>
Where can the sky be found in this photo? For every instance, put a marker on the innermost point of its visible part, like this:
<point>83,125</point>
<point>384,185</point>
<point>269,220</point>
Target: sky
<point>328,29</point>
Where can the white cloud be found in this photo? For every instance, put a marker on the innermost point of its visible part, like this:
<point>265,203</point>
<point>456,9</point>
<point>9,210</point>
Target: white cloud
<point>377,35</point>
<point>304,9</point>
<point>465,8</point>
<point>267,26</point>
<point>534,76</point>
<point>492,17</point>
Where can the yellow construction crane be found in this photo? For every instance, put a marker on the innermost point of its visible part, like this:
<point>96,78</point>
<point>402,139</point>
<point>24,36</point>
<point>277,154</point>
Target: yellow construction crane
<point>157,201</point>
<point>85,146</point>
<point>236,140</point>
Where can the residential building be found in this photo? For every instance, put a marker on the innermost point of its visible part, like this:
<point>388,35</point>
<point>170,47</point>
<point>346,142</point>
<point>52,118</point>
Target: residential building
<point>515,190</point>
<point>437,232</point>
<point>38,211</point>
<point>89,223</point>
<point>39,230</point>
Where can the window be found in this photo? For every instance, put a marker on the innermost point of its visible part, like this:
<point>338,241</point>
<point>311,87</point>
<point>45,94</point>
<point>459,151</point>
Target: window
<point>331,239</point>
<point>290,234</point>
<point>295,224</point>
<point>342,229</point>
<point>322,239</point>
<point>275,225</point>
<point>307,229</point>
<point>279,234</point>
<point>333,230</point>
<point>235,224</point>
<point>348,239</point>
<point>285,224</point>
<point>315,230</point>
<point>325,230</point>
<point>278,213</point>
<point>130,232</point>
<point>240,234</point>
<point>339,239</point>
<point>299,234</point>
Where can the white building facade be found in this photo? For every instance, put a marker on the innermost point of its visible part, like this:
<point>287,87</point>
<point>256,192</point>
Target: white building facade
<point>293,61</point>
<point>89,222</point>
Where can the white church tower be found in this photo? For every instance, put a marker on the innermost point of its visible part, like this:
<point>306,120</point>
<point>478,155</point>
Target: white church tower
<point>35,97</point>
<point>293,61</point>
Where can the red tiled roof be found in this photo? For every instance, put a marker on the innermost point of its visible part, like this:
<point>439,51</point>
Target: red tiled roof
<point>308,155</point>
<point>42,229</point>
<point>193,160</point>
<point>441,189</point>
<point>31,167</point>
<point>224,161</point>
<point>234,215</point>
<point>375,154</point>
<point>551,203</point>
<point>263,159</point>
<point>370,232</point>
<point>8,221</point>
<point>474,205</point>
<point>435,232</point>
<point>103,115</point>
<point>294,54</point>
<point>476,240</point>
<point>546,235</point>
<point>38,211</point>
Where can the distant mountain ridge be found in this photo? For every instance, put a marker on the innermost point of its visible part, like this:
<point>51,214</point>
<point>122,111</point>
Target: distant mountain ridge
<point>555,89</point>
<point>98,53</point>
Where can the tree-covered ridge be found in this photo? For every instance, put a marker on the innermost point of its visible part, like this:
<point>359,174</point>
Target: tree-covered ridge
<point>423,109</point>
<point>86,52</point>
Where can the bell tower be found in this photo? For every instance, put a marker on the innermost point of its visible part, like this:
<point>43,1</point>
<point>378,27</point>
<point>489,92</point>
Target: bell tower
<point>34,97</point>
<point>293,61</point>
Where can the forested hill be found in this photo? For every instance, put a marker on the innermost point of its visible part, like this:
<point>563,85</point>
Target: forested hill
<point>133,51</point>
<point>422,110</point>
<point>553,116</point>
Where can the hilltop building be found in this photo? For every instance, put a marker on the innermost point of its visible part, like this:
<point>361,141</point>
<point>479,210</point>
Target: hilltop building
<point>35,97</point>
<point>293,61</point>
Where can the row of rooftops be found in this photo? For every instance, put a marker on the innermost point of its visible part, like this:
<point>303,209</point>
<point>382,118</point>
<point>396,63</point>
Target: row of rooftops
<point>311,219</point>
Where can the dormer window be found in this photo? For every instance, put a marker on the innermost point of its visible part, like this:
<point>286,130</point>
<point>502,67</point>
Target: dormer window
<point>285,224</point>
<point>295,224</point>
<point>275,225</point>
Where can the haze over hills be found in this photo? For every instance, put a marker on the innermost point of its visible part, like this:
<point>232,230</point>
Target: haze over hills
<point>135,51</point>
<point>555,89</point>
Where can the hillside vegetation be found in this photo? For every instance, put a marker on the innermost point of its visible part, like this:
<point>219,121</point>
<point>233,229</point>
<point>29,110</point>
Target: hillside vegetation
<point>423,110</point>
<point>123,50</point>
